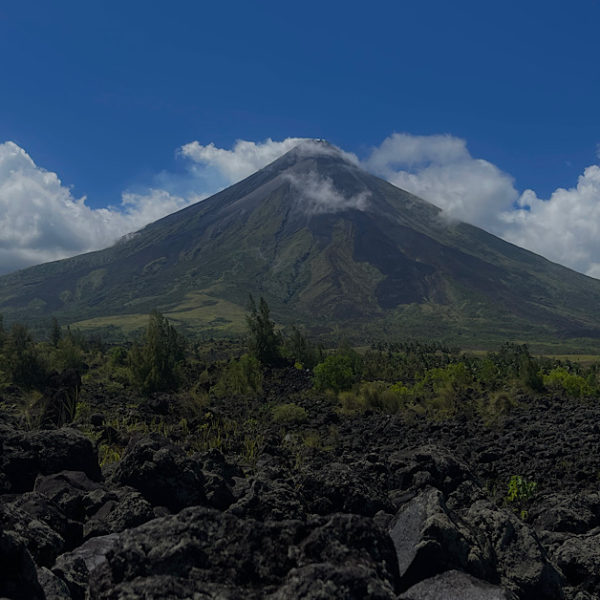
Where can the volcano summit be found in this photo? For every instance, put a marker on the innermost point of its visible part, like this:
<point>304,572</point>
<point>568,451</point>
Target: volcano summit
<point>329,246</point>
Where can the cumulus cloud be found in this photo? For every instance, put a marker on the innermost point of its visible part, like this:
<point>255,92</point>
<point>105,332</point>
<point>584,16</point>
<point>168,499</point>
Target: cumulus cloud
<point>40,220</point>
<point>564,228</point>
<point>242,160</point>
<point>440,169</point>
<point>318,195</point>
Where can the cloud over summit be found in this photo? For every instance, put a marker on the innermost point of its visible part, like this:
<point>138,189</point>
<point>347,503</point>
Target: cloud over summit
<point>318,195</point>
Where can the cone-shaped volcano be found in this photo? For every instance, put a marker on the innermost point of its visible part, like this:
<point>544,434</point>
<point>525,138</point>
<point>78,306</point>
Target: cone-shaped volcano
<point>329,246</point>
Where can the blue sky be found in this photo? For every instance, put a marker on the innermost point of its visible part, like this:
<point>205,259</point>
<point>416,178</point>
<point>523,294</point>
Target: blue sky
<point>104,94</point>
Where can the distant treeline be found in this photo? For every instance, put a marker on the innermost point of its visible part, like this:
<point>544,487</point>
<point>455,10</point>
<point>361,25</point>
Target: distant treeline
<point>419,379</point>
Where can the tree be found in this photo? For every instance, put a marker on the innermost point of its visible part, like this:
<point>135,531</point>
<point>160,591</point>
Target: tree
<point>300,350</point>
<point>155,365</point>
<point>263,341</point>
<point>55,332</point>
<point>24,362</point>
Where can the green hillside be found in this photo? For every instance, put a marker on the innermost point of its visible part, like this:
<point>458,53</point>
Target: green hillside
<point>330,247</point>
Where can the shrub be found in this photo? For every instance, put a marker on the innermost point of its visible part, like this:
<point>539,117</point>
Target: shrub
<point>240,377</point>
<point>495,405</point>
<point>573,385</point>
<point>289,414</point>
<point>117,356</point>
<point>520,492</point>
<point>351,402</point>
<point>335,373</point>
<point>444,390</point>
<point>375,395</point>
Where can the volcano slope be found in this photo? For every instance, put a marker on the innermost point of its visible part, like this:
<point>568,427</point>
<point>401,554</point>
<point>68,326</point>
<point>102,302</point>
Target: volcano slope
<point>332,505</point>
<point>329,246</point>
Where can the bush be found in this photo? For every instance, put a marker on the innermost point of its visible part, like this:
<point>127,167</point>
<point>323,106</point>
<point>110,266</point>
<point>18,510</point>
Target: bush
<point>445,390</point>
<point>375,395</point>
<point>240,377</point>
<point>117,356</point>
<point>560,379</point>
<point>289,414</point>
<point>336,373</point>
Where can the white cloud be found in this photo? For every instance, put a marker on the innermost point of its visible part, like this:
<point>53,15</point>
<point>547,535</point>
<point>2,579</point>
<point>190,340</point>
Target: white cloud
<point>564,228</point>
<point>440,169</point>
<point>244,159</point>
<point>40,220</point>
<point>318,195</point>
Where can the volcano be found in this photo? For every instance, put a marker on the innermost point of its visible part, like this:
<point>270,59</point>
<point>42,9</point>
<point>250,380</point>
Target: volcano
<point>330,247</point>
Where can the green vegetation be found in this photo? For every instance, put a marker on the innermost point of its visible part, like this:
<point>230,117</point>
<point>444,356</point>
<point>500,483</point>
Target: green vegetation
<point>264,342</point>
<point>155,364</point>
<point>520,493</point>
<point>237,395</point>
<point>339,370</point>
<point>575,386</point>
<point>288,414</point>
<point>239,377</point>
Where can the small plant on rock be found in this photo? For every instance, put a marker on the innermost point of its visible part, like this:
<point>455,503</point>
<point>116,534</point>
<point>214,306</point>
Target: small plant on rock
<point>520,492</point>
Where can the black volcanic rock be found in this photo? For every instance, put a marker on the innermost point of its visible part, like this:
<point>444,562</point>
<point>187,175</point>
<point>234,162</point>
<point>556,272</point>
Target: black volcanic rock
<point>162,473</point>
<point>24,456</point>
<point>18,575</point>
<point>455,585</point>
<point>220,552</point>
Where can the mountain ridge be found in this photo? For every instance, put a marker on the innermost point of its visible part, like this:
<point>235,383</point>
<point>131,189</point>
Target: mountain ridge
<point>331,247</point>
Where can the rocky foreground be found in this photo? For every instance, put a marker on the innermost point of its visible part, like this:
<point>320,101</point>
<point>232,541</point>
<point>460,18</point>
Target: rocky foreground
<point>366,506</point>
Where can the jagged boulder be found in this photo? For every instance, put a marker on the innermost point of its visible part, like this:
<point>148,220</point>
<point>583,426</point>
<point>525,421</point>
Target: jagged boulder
<point>121,509</point>
<point>359,487</point>
<point>54,587</point>
<point>455,585</point>
<point>18,575</point>
<point>74,568</point>
<point>201,548</point>
<point>38,507</point>
<point>25,455</point>
<point>579,559</point>
<point>43,543</point>
<point>428,466</point>
<point>162,473</point>
<point>566,512</point>
<point>429,539</point>
<point>330,582</point>
<point>67,490</point>
<point>267,496</point>
<point>520,561</point>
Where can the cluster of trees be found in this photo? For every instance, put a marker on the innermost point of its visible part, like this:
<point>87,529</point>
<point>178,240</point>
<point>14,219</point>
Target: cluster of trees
<point>387,376</point>
<point>28,363</point>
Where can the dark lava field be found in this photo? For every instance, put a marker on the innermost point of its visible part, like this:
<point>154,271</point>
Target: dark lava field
<point>228,503</point>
